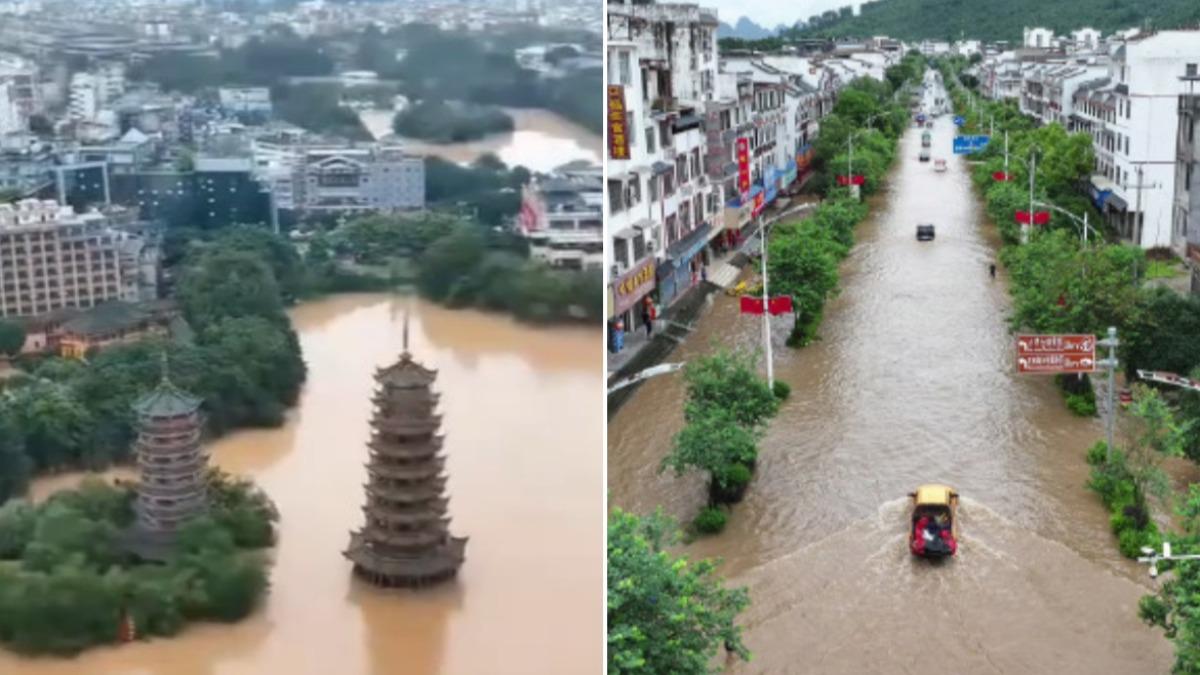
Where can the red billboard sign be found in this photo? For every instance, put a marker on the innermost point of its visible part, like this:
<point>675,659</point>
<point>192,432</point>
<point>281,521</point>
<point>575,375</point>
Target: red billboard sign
<point>1056,353</point>
<point>759,203</point>
<point>618,123</point>
<point>743,162</point>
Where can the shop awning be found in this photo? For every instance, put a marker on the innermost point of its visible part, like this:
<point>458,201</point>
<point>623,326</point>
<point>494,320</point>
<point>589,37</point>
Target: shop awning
<point>690,244</point>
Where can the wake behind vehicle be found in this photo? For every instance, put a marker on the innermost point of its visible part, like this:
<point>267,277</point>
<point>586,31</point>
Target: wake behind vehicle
<point>925,232</point>
<point>933,529</point>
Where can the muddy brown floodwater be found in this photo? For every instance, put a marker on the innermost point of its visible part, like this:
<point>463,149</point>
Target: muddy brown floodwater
<point>912,382</point>
<point>522,418</point>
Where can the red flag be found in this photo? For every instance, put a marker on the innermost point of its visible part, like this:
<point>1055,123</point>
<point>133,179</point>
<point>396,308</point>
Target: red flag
<point>842,180</point>
<point>1000,175</point>
<point>858,179</point>
<point>780,304</point>
<point>1062,300</point>
<point>751,305</point>
<point>1039,217</point>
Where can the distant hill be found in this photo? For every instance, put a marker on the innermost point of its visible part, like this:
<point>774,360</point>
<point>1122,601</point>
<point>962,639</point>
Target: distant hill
<point>745,30</point>
<point>992,20</point>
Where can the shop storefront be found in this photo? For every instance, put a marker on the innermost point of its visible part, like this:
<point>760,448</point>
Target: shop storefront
<point>626,294</point>
<point>681,269</point>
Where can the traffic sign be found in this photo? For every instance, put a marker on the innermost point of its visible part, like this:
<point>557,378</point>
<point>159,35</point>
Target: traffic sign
<point>1056,353</point>
<point>959,121</point>
<point>964,145</point>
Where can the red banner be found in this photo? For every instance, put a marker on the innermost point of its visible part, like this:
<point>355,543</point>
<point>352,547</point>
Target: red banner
<point>759,203</point>
<point>856,179</point>
<point>751,305</point>
<point>780,304</point>
<point>1039,217</point>
<point>618,132</point>
<point>743,162</point>
<point>1000,176</point>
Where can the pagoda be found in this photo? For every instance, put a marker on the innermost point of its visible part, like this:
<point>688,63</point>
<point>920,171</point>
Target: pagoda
<point>172,487</point>
<point>406,540</point>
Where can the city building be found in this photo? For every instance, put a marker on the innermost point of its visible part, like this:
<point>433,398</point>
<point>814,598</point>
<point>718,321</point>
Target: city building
<point>84,97</point>
<point>11,119</point>
<point>662,75</point>
<point>246,100</point>
<point>1136,164</point>
<point>406,539</point>
<point>1186,231</point>
<point>51,258</point>
<point>1038,38</point>
<point>562,218</point>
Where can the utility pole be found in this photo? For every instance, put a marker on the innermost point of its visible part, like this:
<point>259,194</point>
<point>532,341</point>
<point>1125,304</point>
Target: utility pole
<point>762,235</point>
<point>1025,227</point>
<point>1111,364</point>
<point>1005,154</point>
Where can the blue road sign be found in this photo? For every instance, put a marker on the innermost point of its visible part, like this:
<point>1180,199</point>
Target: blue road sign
<point>965,145</point>
<point>958,120</point>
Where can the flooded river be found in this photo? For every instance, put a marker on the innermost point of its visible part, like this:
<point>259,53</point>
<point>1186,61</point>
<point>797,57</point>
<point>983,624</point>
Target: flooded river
<point>521,414</point>
<point>912,382</point>
<point>540,141</point>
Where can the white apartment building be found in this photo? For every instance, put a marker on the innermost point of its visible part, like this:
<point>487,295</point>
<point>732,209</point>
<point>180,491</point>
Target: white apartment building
<point>84,97</point>
<point>1135,161</point>
<point>659,215</point>
<point>562,218</point>
<point>11,119</point>
<point>1186,231</point>
<point>1086,39</point>
<point>1038,38</point>
<point>51,258</point>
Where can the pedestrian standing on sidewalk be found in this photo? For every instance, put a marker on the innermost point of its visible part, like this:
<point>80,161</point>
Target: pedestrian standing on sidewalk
<point>648,316</point>
<point>992,270</point>
<point>704,273</point>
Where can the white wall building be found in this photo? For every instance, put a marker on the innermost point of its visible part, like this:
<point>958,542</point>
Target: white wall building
<point>84,98</point>
<point>1038,38</point>
<point>562,217</point>
<point>11,119</point>
<point>1135,160</point>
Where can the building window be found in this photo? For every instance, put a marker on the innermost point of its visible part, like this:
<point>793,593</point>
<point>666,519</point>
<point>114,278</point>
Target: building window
<point>624,72</point>
<point>615,194</point>
<point>650,139</point>
<point>1192,70</point>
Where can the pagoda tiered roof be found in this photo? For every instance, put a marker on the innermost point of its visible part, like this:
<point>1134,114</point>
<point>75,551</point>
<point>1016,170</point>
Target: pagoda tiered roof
<point>406,540</point>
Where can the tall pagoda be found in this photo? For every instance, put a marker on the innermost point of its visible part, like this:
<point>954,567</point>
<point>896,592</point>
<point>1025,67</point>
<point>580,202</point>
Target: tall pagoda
<point>172,487</point>
<point>406,540</point>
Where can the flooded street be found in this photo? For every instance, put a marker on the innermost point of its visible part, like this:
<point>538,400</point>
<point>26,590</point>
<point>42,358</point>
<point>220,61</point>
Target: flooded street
<point>540,141</point>
<point>912,382</point>
<point>522,425</point>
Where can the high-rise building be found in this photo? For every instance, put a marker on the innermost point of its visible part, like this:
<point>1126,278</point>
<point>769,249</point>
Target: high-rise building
<point>51,258</point>
<point>561,216</point>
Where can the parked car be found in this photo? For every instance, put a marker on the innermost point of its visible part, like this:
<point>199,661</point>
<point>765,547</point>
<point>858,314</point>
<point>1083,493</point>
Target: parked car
<point>925,232</point>
<point>924,156</point>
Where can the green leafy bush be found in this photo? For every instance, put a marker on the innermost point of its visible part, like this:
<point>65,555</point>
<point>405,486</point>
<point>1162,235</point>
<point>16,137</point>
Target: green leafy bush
<point>782,390</point>
<point>1083,405</point>
<point>710,520</point>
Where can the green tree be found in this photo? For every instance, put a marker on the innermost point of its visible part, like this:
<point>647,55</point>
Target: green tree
<point>229,284</point>
<point>728,381</point>
<point>444,270</point>
<point>12,338</point>
<point>15,464</point>
<point>665,614</point>
<point>714,442</point>
<point>1151,433</point>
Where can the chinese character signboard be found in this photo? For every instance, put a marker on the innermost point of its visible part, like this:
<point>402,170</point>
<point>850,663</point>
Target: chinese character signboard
<point>632,286</point>
<point>1053,354</point>
<point>618,132</point>
<point>964,145</point>
<point>743,162</point>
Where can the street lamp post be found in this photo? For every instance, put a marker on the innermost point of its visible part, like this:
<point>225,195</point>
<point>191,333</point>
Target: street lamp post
<point>1111,364</point>
<point>1152,557</point>
<point>762,234</point>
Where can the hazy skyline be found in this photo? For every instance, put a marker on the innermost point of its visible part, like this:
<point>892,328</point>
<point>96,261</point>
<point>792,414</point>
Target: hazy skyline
<point>771,13</point>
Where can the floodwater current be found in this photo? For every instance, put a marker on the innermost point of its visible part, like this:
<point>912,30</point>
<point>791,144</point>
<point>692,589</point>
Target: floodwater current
<point>540,140</point>
<point>523,424</point>
<point>912,382</point>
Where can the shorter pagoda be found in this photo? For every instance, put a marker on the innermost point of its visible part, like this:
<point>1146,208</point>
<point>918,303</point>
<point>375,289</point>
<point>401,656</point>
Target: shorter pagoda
<point>172,488</point>
<point>406,540</point>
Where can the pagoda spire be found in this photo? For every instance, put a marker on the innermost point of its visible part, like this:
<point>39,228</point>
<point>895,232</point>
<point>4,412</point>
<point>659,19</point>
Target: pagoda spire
<point>406,540</point>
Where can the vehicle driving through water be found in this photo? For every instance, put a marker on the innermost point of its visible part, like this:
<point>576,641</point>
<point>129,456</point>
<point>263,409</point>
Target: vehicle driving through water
<point>934,529</point>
